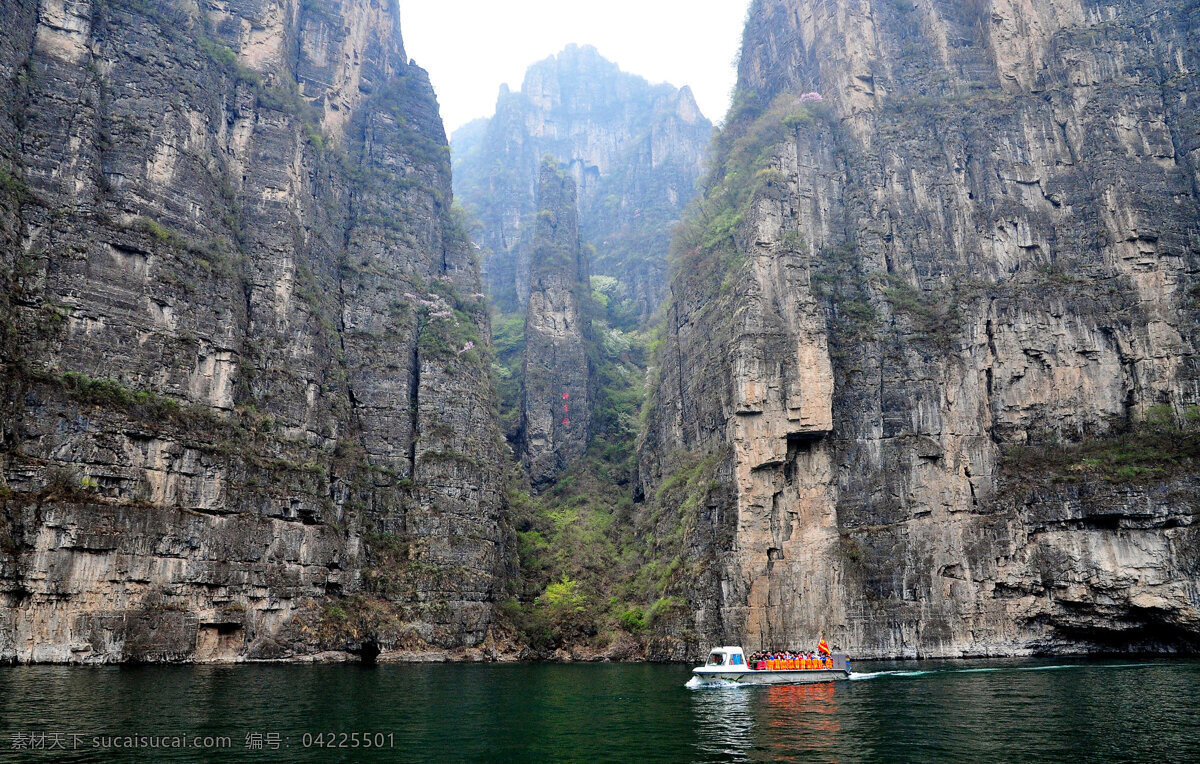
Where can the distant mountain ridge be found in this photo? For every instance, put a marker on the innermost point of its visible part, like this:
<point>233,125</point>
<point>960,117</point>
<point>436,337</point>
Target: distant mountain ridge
<point>635,150</point>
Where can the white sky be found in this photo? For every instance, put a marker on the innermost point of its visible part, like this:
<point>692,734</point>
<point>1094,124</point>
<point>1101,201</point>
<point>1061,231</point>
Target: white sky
<point>470,47</point>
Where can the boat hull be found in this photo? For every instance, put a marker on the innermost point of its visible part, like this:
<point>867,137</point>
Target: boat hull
<point>748,677</point>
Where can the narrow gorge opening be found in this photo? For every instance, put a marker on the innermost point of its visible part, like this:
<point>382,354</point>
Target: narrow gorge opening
<point>899,349</point>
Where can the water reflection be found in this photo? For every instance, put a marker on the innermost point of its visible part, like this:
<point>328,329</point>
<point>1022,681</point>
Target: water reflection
<point>768,723</point>
<point>801,721</point>
<point>723,722</point>
<point>808,707</point>
<point>999,711</point>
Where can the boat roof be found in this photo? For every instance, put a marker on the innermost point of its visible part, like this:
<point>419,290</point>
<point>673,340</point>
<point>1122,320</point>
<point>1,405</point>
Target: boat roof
<point>733,649</point>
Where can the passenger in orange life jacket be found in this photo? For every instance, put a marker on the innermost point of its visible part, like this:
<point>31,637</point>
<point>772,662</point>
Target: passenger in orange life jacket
<point>791,660</point>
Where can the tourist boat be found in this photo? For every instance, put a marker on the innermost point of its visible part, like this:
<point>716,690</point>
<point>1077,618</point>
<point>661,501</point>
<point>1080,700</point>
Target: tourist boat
<point>728,664</point>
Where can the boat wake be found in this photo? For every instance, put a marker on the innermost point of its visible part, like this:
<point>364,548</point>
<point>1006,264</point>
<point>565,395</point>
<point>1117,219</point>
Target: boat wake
<point>877,674</point>
<point>695,683</point>
<point>858,677</point>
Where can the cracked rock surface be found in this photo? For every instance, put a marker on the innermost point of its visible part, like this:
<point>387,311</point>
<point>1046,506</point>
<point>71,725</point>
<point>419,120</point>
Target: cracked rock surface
<point>246,407</point>
<point>983,238</point>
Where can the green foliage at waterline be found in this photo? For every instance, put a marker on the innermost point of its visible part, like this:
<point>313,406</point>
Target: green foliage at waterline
<point>587,576</point>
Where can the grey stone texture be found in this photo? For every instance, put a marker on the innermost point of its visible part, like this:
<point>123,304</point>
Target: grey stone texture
<point>556,396</point>
<point>244,361</point>
<point>985,238</point>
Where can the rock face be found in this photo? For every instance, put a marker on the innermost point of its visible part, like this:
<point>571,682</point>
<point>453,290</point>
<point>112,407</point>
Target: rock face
<point>984,238</point>
<point>556,396</point>
<point>634,149</point>
<point>246,408</point>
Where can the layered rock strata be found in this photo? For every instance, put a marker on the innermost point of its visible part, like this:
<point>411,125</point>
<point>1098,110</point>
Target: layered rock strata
<point>982,237</point>
<point>246,408</point>
<point>556,395</point>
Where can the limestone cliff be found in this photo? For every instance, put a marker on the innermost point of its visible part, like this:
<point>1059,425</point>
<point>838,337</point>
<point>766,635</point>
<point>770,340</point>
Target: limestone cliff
<point>932,334</point>
<point>246,410</point>
<point>634,149</point>
<point>556,396</point>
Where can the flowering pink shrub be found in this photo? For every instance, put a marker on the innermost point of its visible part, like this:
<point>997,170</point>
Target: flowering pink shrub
<point>811,98</point>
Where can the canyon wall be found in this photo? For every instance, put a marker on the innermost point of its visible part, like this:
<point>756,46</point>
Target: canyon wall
<point>927,383</point>
<point>933,334</point>
<point>246,408</point>
<point>634,149</point>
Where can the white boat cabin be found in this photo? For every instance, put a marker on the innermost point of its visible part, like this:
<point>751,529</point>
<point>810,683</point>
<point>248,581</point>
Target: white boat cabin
<point>727,658</point>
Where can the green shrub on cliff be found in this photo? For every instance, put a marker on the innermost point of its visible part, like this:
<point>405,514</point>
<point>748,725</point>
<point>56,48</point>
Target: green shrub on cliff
<point>449,324</point>
<point>705,248</point>
<point>108,392</point>
<point>361,618</point>
<point>563,596</point>
<point>575,554</point>
<point>508,344</point>
<point>159,232</point>
<point>1164,443</point>
<point>633,620</point>
<point>8,540</point>
<point>13,186</point>
<point>563,615</point>
<point>933,317</point>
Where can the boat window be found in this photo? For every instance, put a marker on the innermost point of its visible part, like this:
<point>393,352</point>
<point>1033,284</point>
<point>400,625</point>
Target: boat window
<point>716,659</point>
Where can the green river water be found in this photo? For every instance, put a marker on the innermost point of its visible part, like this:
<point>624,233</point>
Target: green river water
<point>1001,711</point>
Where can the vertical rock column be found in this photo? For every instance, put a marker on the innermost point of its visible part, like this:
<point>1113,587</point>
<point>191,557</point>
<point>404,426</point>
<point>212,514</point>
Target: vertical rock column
<point>555,406</point>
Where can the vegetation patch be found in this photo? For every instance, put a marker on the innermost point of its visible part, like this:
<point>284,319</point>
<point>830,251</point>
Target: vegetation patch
<point>674,517</point>
<point>449,325</point>
<point>113,394</point>
<point>838,281</point>
<point>159,232</point>
<point>13,187</point>
<point>1165,444</point>
<point>577,545</point>
<point>563,614</point>
<point>218,256</point>
<point>933,319</point>
<point>508,344</point>
<point>705,246</point>
<point>592,568</point>
<point>361,618</point>
<point>1193,297</point>
<point>65,483</point>
<point>394,570</point>
<point>8,535</point>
